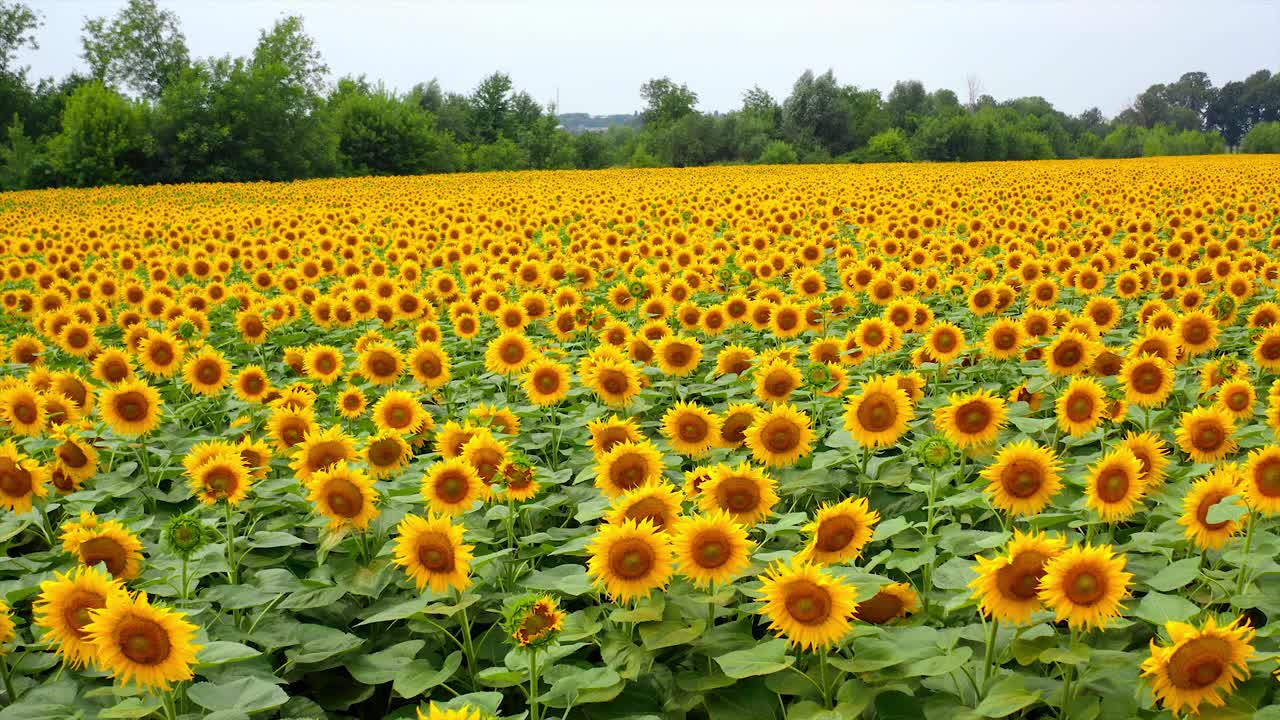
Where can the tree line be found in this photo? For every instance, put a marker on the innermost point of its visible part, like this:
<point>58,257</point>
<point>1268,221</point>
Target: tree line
<point>145,111</point>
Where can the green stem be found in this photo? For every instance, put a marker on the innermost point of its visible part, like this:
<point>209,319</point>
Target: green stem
<point>533,685</point>
<point>170,711</point>
<point>989,661</point>
<point>232,573</point>
<point>1068,672</point>
<point>8,680</point>
<point>183,593</point>
<point>822,673</point>
<point>1243,578</point>
<point>468,646</point>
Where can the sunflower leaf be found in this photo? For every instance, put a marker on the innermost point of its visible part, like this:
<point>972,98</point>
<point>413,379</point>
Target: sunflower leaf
<point>1228,509</point>
<point>764,659</point>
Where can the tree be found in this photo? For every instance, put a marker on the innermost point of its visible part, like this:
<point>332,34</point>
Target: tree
<point>816,114</point>
<point>892,145</point>
<point>288,46</point>
<point>18,25</point>
<point>428,95</point>
<point>1263,138</point>
<point>490,105</point>
<point>380,134</point>
<point>502,154</point>
<point>778,152</point>
<point>1227,113</point>
<point>18,159</point>
<point>592,151</point>
<point>665,101</point>
<point>103,138</point>
<point>1193,91</point>
<point>142,48</point>
<point>907,104</point>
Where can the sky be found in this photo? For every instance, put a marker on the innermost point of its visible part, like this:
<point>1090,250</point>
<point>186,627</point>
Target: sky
<point>596,54</point>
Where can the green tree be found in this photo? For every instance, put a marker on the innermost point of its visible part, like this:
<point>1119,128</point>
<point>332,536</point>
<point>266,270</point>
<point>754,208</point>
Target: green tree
<point>380,134</point>
<point>892,145</point>
<point>287,46</point>
<point>501,154</point>
<point>592,150</point>
<point>19,159</point>
<point>18,25</point>
<point>665,101</point>
<point>490,106</point>
<point>1263,138</point>
<point>142,48</point>
<point>778,152</point>
<point>907,104</point>
<point>103,139</point>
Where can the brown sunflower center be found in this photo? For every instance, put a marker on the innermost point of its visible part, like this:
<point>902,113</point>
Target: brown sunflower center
<point>780,435</point>
<point>1022,479</point>
<point>381,364</point>
<point>835,533</point>
<point>808,603</point>
<point>436,553</point>
<point>324,455</point>
<point>1085,587</point>
<point>1266,477</point>
<point>1202,510</point>
<point>651,509</point>
<point>547,381</point>
<point>877,413</point>
<point>486,461</point>
<point>973,417</point>
<point>693,428</point>
<point>161,354</point>
<point>104,550</point>
<point>132,406</point>
<point>1113,485</point>
<point>1195,333</point>
<point>711,550</point>
<point>77,606</point>
<point>1208,437</point>
<point>384,453</point>
<point>944,342</point>
<point>512,353</point>
<point>26,412</point>
<point>452,486</point>
<point>1147,379</point>
<point>1237,400</point>
<point>72,456</point>
<point>1020,579</point>
<point>221,481</point>
<point>343,497</point>
<point>678,355</point>
<point>1080,407</point>
<point>631,559</point>
<point>1199,663</point>
<point>14,480</point>
<point>738,494</point>
<point>1068,354</point>
<point>143,641</point>
<point>208,372</point>
<point>614,382</point>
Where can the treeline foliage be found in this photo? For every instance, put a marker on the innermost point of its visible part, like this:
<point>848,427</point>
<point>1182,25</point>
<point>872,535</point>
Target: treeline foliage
<point>145,111</point>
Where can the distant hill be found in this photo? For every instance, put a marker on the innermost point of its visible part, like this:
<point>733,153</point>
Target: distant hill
<point>578,123</point>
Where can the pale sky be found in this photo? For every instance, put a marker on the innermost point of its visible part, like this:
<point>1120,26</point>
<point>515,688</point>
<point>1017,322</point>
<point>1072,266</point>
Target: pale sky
<point>597,53</point>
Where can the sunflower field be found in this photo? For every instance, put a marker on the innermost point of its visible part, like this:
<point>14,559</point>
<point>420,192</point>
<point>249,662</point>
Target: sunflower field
<point>823,442</point>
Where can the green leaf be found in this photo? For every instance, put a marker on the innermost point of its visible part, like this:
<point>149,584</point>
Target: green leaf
<point>1175,575</point>
<point>1227,509</point>
<point>579,687</point>
<point>939,664</point>
<point>1032,426</point>
<point>570,580</point>
<point>764,659</point>
<point>131,708</point>
<point>400,611</point>
<point>219,652</point>
<point>321,643</point>
<point>669,633</point>
<point>1007,697</point>
<point>889,528</point>
<point>246,695</point>
<point>1158,609</point>
<point>271,539</point>
<point>418,676</point>
<point>382,667</point>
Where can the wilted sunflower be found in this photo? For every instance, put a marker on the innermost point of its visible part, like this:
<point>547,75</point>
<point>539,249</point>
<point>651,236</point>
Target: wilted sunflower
<point>805,604</point>
<point>838,532</point>
<point>1085,585</point>
<point>109,542</point>
<point>893,601</point>
<point>630,559</point>
<point>780,436</point>
<point>1200,666</point>
<point>877,415</point>
<point>22,479</point>
<point>432,552</point>
<point>64,609</point>
<point>711,548</point>
<point>971,419</point>
<point>1223,482</point>
<point>131,408</point>
<point>627,466</point>
<point>1205,434</point>
<point>691,429</point>
<point>1008,585</point>
<point>135,641</point>
<point>1081,406</point>
<point>1114,487</point>
<point>658,503</point>
<point>745,492</point>
<point>345,495</point>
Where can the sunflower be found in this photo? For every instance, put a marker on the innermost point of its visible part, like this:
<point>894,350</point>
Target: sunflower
<point>509,353</point>
<point>678,356</point>
<point>1205,434</point>
<point>463,713</point>
<point>878,414</point>
<point>1262,480</point>
<point>452,437</point>
<point>876,337</point>
<point>1114,486</point>
<point>607,433</point>
<point>945,342</point>
<point>290,427</point>
<point>1147,380</point>
<point>1007,586</point>
<point>252,383</point>
<point>1004,339</point>
<point>22,479</point>
<point>734,360</point>
<point>76,458</point>
<point>536,622</point>
<point>1266,351</point>
<point>59,410</point>
<point>23,410</point>
<point>352,403</point>
<point>971,419</point>
<point>1197,332</point>
<point>131,407</point>
<point>136,641</point>
<point>691,429</point>
<point>256,455</point>
<point>546,382</point>
<point>400,412</point>
<point>323,363</point>
<point>811,608</point>
<point>627,466</point>
<point>1024,478</point>
<point>112,365</point>
<point>780,436</point>
<point>452,487</point>
<point>893,601</point>
<point>432,552</point>
<point>386,453</point>
<point>65,606</point>
<point>321,450</point>
<point>615,382</point>
<point>1200,666</point>
<point>1236,397</point>
<point>220,475</point>
<point>711,548</point>
<point>1081,406</point>
<point>381,363</point>
<point>1223,482</point>
<point>746,493</point>
<point>161,354</point>
<point>430,365</point>
<point>838,532</point>
<point>485,453</point>
<point>630,559</point>
<point>345,495</point>
<point>776,381</point>
<point>1085,585</point>
<point>519,483</point>
<point>658,503</point>
<point>733,427</point>
<point>1070,353</point>
<point>109,542</point>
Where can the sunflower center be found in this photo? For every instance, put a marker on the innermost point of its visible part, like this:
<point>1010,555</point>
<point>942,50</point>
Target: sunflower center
<point>738,494</point>
<point>808,603</point>
<point>1238,401</point>
<point>293,433</point>
<point>678,355</point>
<point>512,353</point>
<point>1147,379</point>
<point>452,487</point>
<point>880,609</point>
<point>1196,333</point>
<point>381,364</point>
<point>398,416</point>
<point>1113,486</point>
<point>781,436</point>
<point>344,498</point>
<point>779,384</point>
<point>734,429</point>
<point>486,461</point>
<point>325,455</point>
<point>1202,511</point>
<point>221,481</point>
<point>944,342</point>
<point>711,552</point>
<point>161,355</point>
<point>435,553</point>
<point>132,406</point>
<point>1080,408</point>
<point>1068,355</point>
<point>614,382</point>
<point>631,559</point>
<point>1267,478</point>
<point>14,480</point>
<point>876,414</point>
<point>72,456</point>
<point>1004,340</point>
<point>1085,588</point>
<point>835,533</point>
<point>973,417</point>
<point>1208,437</point>
<point>547,381</point>
<point>208,373</point>
<point>629,472</point>
<point>383,453</point>
<point>1199,663</point>
<point>1020,579</point>
<point>144,641</point>
<point>651,509</point>
<point>106,551</point>
<point>26,413</point>
<point>693,429</point>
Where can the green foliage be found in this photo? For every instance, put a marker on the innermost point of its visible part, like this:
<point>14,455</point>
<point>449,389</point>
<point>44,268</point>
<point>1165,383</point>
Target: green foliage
<point>502,154</point>
<point>380,134</point>
<point>1263,138</point>
<point>892,145</point>
<point>103,139</point>
<point>18,25</point>
<point>665,101</point>
<point>778,152</point>
<point>19,158</point>
<point>141,48</point>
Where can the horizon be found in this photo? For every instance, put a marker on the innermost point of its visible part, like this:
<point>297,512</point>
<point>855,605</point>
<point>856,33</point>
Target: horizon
<point>384,44</point>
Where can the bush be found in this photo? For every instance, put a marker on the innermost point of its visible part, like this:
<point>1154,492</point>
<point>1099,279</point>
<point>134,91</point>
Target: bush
<point>500,155</point>
<point>892,145</point>
<point>1263,138</point>
<point>778,152</point>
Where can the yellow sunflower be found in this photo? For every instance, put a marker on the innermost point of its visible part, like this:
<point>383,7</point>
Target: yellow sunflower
<point>1007,586</point>
<point>1085,585</point>
<point>691,429</point>
<point>945,342</point>
<point>509,353</point>
<point>222,475</point>
<point>1147,380</point>
<point>776,381</point>
<point>605,433</point>
<point>109,542</point>
<point>658,503</point>
<point>1200,665</point>
<point>399,411</point>
<point>452,487</point>
<point>323,363</point>
<point>23,410</point>
<point>805,604</point>
<point>321,450</point>
<point>878,414</point>
<point>22,479</point>
<point>971,419</point>
<point>1070,353</point>
<point>1024,478</point>
<point>711,548</point>
<point>1223,482</point>
<point>630,559</point>
<point>1236,397</point>
<point>627,466</point>
<point>780,436</point>
<point>1262,480</point>
<point>677,355</point>
<point>891,602</point>
<point>546,382</point>
<point>432,552</point>
<point>135,641</point>
<point>386,453</point>
<point>345,495</point>
<point>1205,434</point>
<point>745,492</point>
<point>64,609</point>
<point>1114,487</point>
<point>131,408</point>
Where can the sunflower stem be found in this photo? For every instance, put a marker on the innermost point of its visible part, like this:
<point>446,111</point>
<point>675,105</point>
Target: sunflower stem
<point>533,685</point>
<point>183,592</point>
<point>1243,574</point>
<point>232,575</point>
<point>46,527</point>
<point>8,679</point>
<point>989,660</point>
<point>822,674</point>
<point>468,647</point>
